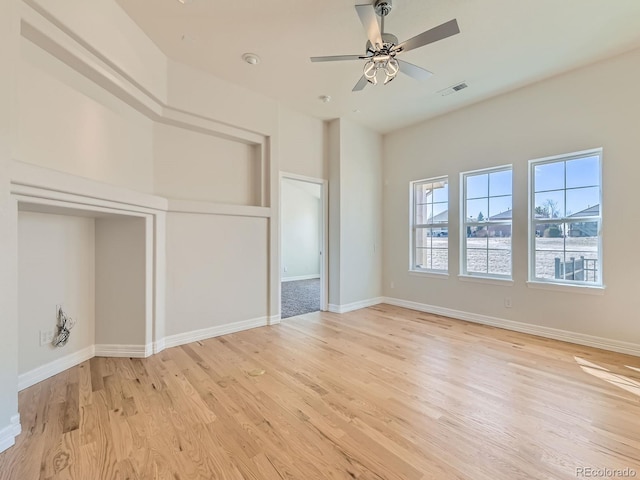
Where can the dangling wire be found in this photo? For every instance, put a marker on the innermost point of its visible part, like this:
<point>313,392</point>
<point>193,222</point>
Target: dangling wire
<point>65,324</point>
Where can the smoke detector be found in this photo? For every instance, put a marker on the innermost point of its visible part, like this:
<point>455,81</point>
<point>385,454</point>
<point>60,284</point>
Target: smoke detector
<point>251,58</point>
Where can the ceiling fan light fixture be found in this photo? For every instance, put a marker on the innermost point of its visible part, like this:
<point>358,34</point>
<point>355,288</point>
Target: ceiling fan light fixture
<point>391,69</point>
<point>382,47</point>
<point>370,70</point>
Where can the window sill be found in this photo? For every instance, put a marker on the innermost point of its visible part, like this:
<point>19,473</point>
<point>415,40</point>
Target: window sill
<point>418,273</point>
<point>503,282</point>
<point>567,287</point>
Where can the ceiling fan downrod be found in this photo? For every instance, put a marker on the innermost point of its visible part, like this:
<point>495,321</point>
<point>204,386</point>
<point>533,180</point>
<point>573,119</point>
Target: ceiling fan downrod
<point>382,9</point>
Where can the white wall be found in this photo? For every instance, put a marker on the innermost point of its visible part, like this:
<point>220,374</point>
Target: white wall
<point>301,223</point>
<point>334,148</point>
<point>303,144</point>
<point>115,37</point>
<point>591,107</point>
<point>68,123</point>
<point>55,266</point>
<point>9,33</point>
<point>194,166</point>
<point>216,270</point>
<point>194,91</point>
<point>355,201</point>
<point>120,262</point>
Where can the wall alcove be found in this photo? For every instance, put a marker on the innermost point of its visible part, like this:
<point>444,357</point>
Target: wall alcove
<point>100,256</point>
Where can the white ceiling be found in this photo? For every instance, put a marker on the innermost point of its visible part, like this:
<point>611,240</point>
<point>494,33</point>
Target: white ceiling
<point>503,44</point>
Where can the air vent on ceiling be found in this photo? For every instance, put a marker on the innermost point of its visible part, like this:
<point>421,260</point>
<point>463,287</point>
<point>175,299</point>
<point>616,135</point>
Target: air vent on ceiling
<point>454,88</point>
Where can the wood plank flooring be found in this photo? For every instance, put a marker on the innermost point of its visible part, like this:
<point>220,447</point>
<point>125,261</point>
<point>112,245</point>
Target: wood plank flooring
<point>381,393</point>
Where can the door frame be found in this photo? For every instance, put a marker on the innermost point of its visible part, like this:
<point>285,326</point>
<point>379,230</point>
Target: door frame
<point>324,237</point>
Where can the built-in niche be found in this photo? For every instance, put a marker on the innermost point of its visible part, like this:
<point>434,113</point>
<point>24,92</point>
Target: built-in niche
<point>190,165</point>
<point>98,265</point>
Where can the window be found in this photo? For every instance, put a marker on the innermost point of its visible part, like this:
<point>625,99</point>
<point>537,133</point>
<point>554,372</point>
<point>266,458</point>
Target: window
<point>486,223</point>
<point>430,225</point>
<point>565,219</point>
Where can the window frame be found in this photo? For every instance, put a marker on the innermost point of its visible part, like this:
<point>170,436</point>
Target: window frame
<point>413,226</point>
<point>531,250</point>
<point>464,273</point>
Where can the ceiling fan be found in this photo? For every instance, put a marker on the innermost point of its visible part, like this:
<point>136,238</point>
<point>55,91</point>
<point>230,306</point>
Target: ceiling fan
<point>382,48</point>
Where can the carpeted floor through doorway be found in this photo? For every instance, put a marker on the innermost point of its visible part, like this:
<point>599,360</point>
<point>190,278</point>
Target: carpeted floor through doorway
<point>299,297</point>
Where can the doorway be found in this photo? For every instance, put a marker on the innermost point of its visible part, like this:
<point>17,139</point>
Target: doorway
<point>302,245</point>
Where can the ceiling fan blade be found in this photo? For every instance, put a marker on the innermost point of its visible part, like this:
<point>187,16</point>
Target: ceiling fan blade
<point>369,21</point>
<point>425,38</point>
<point>414,71</point>
<point>361,84</point>
<point>336,58</point>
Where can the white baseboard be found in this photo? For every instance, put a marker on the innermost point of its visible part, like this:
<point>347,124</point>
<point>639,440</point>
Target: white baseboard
<point>547,332</point>
<point>132,351</point>
<point>52,368</point>
<point>350,307</point>
<point>9,433</point>
<point>194,336</point>
<point>158,346</point>
<point>301,277</point>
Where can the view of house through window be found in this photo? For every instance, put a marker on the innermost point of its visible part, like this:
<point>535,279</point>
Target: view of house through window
<point>486,222</point>
<point>565,219</point>
<point>430,225</point>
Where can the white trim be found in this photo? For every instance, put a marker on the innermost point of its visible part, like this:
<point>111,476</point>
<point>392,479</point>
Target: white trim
<point>301,277</point>
<point>429,274</point>
<point>47,184</point>
<point>134,351</point>
<point>413,226</point>
<point>216,331</point>
<point>464,224</point>
<point>565,219</point>
<point>158,346</point>
<point>538,330</point>
<point>9,433</point>
<point>39,27</point>
<point>211,208</point>
<point>301,178</point>
<point>50,369</point>
<point>569,288</point>
<point>502,282</point>
<point>350,307</point>
<point>324,241</point>
<point>124,351</point>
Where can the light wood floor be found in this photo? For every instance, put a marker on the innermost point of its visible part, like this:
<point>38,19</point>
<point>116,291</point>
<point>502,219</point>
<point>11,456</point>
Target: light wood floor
<point>381,393</point>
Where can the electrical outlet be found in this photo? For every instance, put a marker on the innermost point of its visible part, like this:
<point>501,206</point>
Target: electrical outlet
<point>392,285</point>
<point>507,302</point>
<point>285,269</point>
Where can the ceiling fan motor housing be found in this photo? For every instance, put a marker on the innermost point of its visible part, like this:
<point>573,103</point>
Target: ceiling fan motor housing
<point>382,7</point>
<point>388,38</point>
